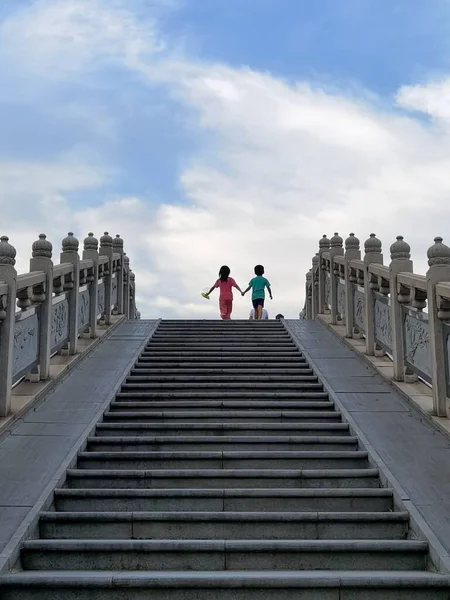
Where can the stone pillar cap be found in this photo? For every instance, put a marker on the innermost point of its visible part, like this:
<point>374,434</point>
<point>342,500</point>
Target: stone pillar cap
<point>324,242</point>
<point>7,252</point>
<point>118,241</point>
<point>70,243</point>
<point>352,242</point>
<point>91,242</point>
<point>400,249</point>
<point>106,240</point>
<point>372,245</point>
<point>438,253</point>
<point>42,248</point>
<point>336,241</point>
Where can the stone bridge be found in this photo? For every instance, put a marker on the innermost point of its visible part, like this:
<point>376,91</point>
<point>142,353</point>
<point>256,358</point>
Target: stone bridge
<point>247,460</point>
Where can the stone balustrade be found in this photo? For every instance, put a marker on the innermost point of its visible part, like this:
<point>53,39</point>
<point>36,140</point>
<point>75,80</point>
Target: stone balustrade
<point>45,311</point>
<point>398,312</point>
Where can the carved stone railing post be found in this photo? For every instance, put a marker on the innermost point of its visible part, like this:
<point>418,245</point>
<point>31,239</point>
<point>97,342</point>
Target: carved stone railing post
<point>126,285</point>
<point>90,252</point>
<point>324,246</point>
<point>400,263</point>
<point>42,261</point>
<point>352,252</point>
<point>132,295</point>
<point>308,294</point>
<point>372,249</point>
<point>118,247</point>
<point>70,255</point>
<point>336,250</point>
<point>8,274</point>
<point>106,249</point>
<point>439,271</point>
<point>315,286</point>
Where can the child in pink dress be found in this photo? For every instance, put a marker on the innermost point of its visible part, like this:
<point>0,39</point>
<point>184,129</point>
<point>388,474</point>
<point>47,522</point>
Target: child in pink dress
<point>226,284</point>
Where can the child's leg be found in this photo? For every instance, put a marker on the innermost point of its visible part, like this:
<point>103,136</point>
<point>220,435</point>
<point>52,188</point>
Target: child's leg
<point>229,309</point>
<point>223,308</point>
<point>260,308</point>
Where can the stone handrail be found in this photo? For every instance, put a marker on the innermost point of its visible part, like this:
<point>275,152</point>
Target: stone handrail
<point>399,313</point>
<point>45,311</point>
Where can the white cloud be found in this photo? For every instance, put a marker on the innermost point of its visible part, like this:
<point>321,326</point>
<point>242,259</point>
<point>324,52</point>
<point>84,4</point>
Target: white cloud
<point>280,165</point>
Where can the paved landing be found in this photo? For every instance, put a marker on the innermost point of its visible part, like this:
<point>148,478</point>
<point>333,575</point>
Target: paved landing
<point>417,454</point>
<point>32,452</point>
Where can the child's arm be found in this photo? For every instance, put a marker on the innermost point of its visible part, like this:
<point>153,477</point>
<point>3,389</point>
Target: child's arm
<point>238,288</point>
<point>270,292</point>
<point>212,289</point>
<point>245,291</point>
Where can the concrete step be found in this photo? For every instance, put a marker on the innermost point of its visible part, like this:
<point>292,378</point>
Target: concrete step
<point>224,460</point>
<point>309,383</point>
<point>218,368</point>
<point>212,416</point>
<point>144,429</point>
<point>215,555</point>
<point>291,360</point>
<point>292,400</point>
<point>221,526</point>
<point>199,406</point>
<point>235,354</point>
<point>192,378</point>
<point>221,442</point>
<point>226,585</point>
<point>222,478</point>
<point>214,340</point>
<point>230,394</point>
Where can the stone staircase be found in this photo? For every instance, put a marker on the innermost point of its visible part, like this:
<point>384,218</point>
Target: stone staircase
<point>223,471</point>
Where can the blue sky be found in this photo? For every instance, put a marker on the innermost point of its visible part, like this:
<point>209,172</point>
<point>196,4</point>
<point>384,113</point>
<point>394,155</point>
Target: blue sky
<point>223,131</point>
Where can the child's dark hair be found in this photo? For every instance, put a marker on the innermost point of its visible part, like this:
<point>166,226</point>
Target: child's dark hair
<point>259,270</point>
<point>224,273</point>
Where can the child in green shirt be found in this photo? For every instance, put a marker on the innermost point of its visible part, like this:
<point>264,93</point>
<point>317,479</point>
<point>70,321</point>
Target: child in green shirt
<point>258,285</point>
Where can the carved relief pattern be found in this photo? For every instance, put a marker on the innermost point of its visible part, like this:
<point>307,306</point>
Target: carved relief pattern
<point>359,308</point>
<point>417,347</point>
<point>83,309</point>
<point>327,291</point>
<point>341,299</point>
<point>26,344</point>
<point>114,291</point>
<point>101,298</point>
<point>59,331</point>
<point>383,330</point>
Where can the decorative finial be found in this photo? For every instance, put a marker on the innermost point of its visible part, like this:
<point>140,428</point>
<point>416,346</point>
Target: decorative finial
<point>308,276</point>
<point>90,243</point>
<point>336,241</point>
<point>438,253</point>
<point>106,240</point>
<point>324,243</point>
<point>372,245</point>
<point>70,243</point>
<point>118,242</point>
<point>132,276</point>
<point>42,248</point>
<point>315,259</point>
<point>126,259</point>
<point>400,249</point>
<point>7,252</point>
<point>352,242</point>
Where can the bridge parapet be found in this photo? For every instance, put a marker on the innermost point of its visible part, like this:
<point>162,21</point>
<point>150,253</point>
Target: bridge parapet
<point>45,311</point>
<point>398,312</point>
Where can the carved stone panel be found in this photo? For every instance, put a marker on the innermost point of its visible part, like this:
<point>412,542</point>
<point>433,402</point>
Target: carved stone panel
<point>26,345</point>
<point>341,299</point>
<point>101,298</point>
<point>114,291</point>
<point>417,347</point>
<point>83,309</point>
<point>59,328</point>
<point>327,290</point>
<point>359,308</point>
<point>383,330</point>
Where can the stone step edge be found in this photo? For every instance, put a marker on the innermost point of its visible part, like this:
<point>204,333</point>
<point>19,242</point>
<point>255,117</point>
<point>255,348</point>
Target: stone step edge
<point>217,439</point>
<point>257,517</point>
<point>81,545</point>
<point>225,473</point>
<point>227,579</point>
<point>227,493</point>
<point>358,454</point>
